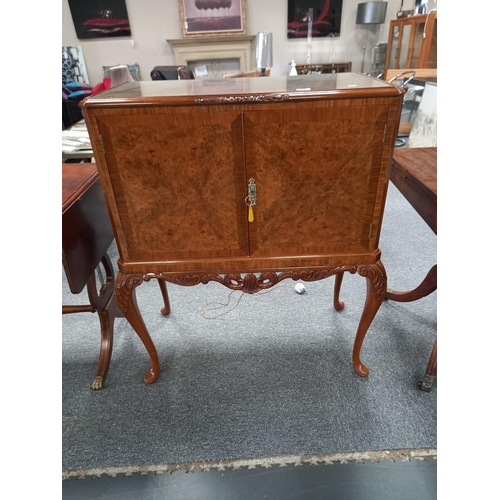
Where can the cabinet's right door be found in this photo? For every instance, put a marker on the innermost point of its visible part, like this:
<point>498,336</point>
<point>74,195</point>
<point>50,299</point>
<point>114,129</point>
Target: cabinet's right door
<point>321,171</point>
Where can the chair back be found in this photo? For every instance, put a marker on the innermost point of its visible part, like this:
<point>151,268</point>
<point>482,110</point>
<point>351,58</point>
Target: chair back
<point>171,73</point>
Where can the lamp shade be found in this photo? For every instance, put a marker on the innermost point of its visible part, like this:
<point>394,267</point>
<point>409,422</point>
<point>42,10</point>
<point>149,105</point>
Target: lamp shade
<point>371,13</point>
<point>264,50</point>
<point>120,74</point>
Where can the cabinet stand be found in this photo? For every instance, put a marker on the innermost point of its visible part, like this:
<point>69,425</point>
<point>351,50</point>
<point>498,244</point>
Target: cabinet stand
<point>126,284</point>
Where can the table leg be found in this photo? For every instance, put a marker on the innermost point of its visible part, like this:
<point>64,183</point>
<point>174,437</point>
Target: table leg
<point>430,373</point>
<point>103,301</point>
<point>125,286</point>
<point>376,289</point>
<point>428,285</point>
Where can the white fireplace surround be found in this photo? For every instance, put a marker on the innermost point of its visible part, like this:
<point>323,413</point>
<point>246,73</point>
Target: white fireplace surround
<point>190,50</point>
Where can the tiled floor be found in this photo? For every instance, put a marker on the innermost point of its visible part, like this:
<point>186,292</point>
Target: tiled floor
<point>398,480</point>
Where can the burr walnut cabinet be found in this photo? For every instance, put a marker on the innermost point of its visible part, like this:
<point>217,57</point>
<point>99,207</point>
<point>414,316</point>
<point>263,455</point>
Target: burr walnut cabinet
<point>246,182</point>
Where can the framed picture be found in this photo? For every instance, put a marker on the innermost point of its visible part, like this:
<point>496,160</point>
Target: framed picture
<point>99,18</point>
<point>210,18</point>
<point>325,15</point>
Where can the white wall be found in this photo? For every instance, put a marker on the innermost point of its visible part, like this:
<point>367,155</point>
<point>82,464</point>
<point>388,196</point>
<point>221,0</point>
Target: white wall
<point>152,22</point>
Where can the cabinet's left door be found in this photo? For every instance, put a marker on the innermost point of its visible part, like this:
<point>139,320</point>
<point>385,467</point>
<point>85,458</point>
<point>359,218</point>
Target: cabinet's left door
<point>178,183</point>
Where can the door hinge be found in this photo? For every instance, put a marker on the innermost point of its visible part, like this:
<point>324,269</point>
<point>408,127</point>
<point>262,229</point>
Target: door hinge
<point>383,138</point>
<point>125,239</point>
<point>370,231</point>
<point>102,144</point>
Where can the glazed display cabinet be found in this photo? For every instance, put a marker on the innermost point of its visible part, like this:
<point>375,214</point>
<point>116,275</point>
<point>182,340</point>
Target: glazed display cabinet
<point>412,43</point>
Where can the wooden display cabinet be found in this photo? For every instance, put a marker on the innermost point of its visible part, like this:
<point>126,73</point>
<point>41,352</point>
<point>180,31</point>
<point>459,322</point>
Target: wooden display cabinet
<point>408,48</point>
<point>247,182</point>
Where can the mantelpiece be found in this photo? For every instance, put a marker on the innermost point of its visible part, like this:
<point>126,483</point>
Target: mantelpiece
<point>247,182</point>
<point>189,50</point>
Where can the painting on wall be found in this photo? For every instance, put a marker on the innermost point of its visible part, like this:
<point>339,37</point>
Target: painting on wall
<point>325,16</point>
<point>100,18</point>
<point>203,18</point>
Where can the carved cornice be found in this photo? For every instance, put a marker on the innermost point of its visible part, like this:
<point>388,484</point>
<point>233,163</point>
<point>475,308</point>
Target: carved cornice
<point>245,98</point>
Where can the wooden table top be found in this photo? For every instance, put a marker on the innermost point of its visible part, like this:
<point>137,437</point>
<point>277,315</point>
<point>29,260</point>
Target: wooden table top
<point>86,226</point>
<point>414,173</point>
<point>421,163</point>
<point>76,179</point>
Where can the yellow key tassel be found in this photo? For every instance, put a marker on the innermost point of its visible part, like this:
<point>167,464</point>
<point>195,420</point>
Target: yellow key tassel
<point>250,214</point>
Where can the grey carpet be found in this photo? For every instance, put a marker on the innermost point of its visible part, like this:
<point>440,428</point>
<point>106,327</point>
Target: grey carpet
<point>272,377</point>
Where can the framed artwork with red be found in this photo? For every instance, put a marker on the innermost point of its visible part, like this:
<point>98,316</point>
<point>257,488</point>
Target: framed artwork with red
<point>100,18</point>
<point>325,15</point>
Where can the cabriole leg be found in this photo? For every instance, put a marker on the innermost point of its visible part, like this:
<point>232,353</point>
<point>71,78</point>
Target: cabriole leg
<point>165,310</point>
<point>376,288</point>
<point>125,286</point>
<point>338,304</point>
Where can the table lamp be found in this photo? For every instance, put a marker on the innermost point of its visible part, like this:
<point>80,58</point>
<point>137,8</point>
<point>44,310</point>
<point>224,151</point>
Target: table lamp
<point>120,74</point>
<point>264,51</point>
<point>370,13</point>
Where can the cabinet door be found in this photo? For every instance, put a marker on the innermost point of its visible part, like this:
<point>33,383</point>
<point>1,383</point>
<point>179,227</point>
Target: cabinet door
<point>429,49</point>
<point>317,172</point>
<point>178,181</point>
<point>393,48</point>
<point>416,48</point>
<point>404,51</point>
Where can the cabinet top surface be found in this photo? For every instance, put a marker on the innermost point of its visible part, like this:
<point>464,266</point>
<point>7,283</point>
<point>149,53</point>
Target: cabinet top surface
<point>326,85</point>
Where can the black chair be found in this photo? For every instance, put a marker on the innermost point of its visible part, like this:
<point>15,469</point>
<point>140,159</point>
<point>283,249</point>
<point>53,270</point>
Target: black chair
<point>171,73</point>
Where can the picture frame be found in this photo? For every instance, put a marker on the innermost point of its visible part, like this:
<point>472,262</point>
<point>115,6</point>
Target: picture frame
<point>100,18</point>
<point>326,18</point>
<point>213,18</point>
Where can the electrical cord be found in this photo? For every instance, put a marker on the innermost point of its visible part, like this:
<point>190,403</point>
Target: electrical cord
<point>229,301</point>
